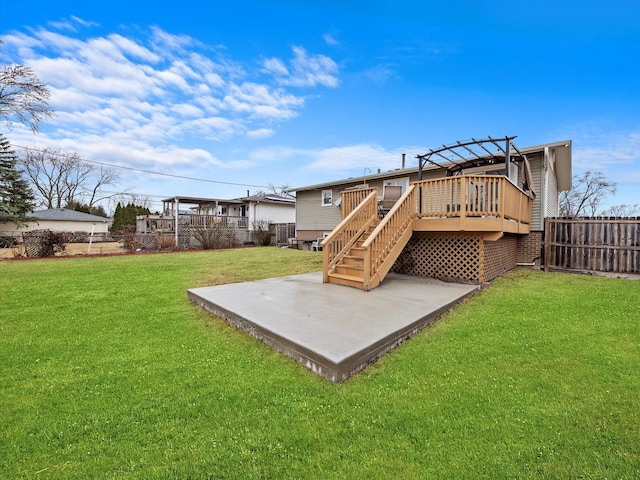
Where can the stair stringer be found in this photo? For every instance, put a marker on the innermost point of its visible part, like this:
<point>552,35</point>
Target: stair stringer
<point>378,276</point>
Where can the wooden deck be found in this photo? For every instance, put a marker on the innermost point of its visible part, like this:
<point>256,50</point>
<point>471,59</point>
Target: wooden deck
<point>167,222</point>
<point>362,248</point>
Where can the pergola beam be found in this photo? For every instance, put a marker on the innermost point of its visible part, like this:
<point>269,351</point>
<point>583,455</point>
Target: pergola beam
<point>479,159</point>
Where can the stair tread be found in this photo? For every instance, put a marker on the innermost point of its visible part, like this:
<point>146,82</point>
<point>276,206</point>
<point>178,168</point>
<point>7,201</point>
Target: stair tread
<point>350,267</point>
<point>346,277</point>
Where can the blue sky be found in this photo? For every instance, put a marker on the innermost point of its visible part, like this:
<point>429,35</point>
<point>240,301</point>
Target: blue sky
<point>249,93</point>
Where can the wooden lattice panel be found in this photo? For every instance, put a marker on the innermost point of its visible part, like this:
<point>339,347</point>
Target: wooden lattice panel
<point>499,257</point>
<point>444,256</point>
<point>33,242</point>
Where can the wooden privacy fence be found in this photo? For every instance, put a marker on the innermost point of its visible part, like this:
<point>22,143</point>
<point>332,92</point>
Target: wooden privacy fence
<point>592,244</point>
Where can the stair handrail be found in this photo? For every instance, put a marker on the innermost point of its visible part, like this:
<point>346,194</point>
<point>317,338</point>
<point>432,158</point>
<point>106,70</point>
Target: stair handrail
<point>344,236</point>
<point>393,226</point>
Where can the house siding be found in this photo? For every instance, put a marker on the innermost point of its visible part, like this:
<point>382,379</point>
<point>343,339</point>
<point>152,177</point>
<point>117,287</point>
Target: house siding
<point>536,164</point>
<point>271,213</point>
<point>312,216</point>
<point>56,226</point>
<point>313,219</point>
<point>551,207</point>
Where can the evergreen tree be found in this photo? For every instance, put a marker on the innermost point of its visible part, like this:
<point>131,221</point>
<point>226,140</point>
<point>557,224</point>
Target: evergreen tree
<point>126,216</point>
<point>16,197</point>
<point>117,219</point>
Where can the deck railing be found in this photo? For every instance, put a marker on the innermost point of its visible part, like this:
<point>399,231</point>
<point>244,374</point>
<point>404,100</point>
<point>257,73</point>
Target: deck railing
<point>344,236</point>
<point>389,238</point>
<point>468,196</point>
<point>352,198</point>
<point>149,223</point>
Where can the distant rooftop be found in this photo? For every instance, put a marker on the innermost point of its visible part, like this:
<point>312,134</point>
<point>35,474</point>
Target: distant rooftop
<point>64,214</point>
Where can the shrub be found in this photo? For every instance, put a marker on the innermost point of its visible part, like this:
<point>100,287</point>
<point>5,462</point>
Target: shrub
<point>51,243</point>
<point>129,241</point>
<point>6,242</point>
<point>261,233</point>
<point>166,242</point>
<point>215,236</point>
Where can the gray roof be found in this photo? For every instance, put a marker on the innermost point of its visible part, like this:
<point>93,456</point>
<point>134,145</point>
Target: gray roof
<point>235,201</point>
<point>269,198</point>
<point>65,214</point>
<point>563,169</point>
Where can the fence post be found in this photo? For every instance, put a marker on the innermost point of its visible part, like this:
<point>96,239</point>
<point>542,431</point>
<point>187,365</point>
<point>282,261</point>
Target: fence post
<point>547,243</point>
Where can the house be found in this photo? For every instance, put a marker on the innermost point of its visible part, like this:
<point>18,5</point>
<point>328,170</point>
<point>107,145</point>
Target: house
<point>465,213</point>
<point>245,213</point>
<point>60,220</point>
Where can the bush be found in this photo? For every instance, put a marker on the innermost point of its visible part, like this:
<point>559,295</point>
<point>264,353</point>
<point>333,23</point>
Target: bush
<point>129,241</point>
<point>215,236</point>
<point>51,243</point>
<point>7,242</point>
<point>166,242</point>
<point>261,233</point>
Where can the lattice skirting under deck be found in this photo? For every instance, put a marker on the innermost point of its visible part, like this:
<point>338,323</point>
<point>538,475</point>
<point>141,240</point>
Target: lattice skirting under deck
<point>460,257</point>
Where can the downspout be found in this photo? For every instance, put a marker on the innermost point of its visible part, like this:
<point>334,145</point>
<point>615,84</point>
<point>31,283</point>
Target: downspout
<point>176,204</point>
<point>545,187</point>
<point>507,158</point>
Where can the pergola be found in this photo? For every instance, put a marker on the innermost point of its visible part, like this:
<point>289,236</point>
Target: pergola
<point>477,153</point>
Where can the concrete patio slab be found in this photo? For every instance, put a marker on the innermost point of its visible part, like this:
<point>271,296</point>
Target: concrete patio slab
<point>333,330</point>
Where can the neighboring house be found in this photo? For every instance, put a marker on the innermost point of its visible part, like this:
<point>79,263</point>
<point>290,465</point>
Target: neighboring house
<point>245,213</point>
<point>60,220</point>
<point>440,198</point>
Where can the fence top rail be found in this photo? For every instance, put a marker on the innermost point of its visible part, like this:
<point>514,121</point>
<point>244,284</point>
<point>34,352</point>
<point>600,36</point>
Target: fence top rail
<point>593,219</point>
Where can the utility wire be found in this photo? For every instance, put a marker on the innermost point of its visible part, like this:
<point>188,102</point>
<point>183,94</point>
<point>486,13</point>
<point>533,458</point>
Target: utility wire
<point>152,172</point>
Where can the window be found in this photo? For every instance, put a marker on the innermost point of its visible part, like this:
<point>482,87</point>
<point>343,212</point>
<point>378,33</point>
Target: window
<point>327,197</point>
<point>403,182</point>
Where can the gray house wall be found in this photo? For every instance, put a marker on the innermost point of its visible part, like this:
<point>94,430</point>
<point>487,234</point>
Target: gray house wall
<point>313,219</point>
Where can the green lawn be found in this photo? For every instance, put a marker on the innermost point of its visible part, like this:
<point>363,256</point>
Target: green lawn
<point>107,370</point>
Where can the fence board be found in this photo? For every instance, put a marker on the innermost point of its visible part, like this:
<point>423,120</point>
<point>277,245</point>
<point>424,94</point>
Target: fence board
<point>599,244</point>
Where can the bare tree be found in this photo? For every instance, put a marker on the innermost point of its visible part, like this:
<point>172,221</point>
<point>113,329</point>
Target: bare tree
<point>624,210</point>
<point>126,198</point>
<point>586,195</point>
<point>280,190</point>
<point>61,179</point>
<point>23,97</point>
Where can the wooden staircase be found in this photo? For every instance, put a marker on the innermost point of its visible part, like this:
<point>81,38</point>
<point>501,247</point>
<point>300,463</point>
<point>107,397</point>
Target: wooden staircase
<point>349,271</point>
<point>362,249</point>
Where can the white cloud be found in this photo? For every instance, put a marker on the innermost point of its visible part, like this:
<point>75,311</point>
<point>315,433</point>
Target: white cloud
<point>261,133</point>
<point>345,160</point>
<point>187,110</point>
<point>137,99</point>
<point>330,39</point>
<point>304,70</point>
<point>380,74</point>
<point>597,152</point>
<point>275,66</point>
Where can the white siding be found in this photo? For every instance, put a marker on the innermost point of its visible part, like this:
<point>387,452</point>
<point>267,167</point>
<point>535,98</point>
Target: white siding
<point>551,208</point>
<point>272,213</point>
<point>57,226</point>
<point>537,174</point>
